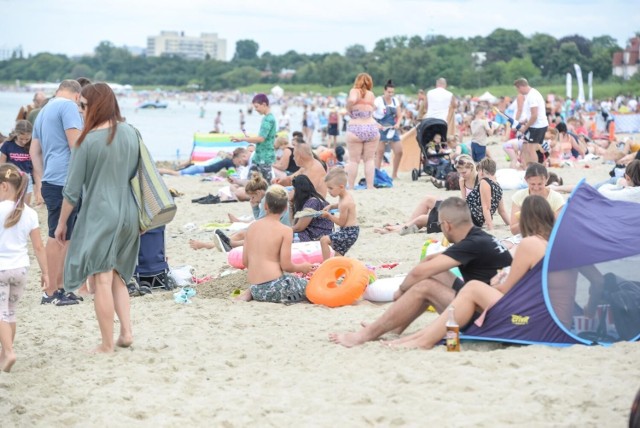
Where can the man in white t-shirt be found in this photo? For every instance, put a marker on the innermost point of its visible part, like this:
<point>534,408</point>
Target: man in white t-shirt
<point>439,100</point>
<point>536,124</point>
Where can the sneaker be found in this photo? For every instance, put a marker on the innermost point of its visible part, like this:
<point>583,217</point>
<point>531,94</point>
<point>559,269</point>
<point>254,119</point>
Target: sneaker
<point>72,296</point>
<point>58,298</point>
<point>222,241</point>
<point>132,288</point>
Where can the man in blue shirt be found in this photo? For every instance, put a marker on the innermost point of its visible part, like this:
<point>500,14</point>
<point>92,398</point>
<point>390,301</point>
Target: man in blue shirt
<point>55,132</point>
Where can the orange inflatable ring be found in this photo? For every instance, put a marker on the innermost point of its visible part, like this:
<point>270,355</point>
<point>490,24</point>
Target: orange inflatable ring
<point>323,287</point>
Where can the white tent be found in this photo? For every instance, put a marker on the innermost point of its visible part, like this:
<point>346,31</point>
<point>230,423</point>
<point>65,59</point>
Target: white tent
<point>277,92</point>
<point>487,96</point>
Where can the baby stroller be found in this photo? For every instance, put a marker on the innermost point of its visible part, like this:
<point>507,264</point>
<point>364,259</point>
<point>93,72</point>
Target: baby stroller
<point>152,271</point>
<point>426,131</point>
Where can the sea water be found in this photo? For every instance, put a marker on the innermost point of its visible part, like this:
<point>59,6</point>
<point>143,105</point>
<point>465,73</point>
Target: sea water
<point>167,132</point>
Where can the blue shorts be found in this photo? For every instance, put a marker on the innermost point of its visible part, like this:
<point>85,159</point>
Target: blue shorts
<point>478,152</point>
<point>385,139</point>
<point>52,195</point>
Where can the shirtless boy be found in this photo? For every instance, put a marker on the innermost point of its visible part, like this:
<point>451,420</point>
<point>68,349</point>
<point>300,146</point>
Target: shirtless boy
<point>344,238</point>
<point>267,255</point>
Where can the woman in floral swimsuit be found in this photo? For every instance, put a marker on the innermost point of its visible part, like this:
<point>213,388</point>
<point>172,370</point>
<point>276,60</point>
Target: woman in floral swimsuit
<point>363,132</point>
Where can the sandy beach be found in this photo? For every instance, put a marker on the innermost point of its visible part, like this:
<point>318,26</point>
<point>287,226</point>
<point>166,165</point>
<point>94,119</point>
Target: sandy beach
<point>216,362</point>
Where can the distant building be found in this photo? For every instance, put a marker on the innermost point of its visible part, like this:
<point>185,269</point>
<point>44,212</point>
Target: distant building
<point>286,73</point>
<point>626,63</point>
<point>174,43</point>
<point>8,53</point>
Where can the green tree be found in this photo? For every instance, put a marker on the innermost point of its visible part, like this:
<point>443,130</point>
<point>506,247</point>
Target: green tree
<point>521,67</point>
<point>502,45</point>
<point>242,76</point>
<point>538,47</point>
<point>355,52</point>
<point>246,50</point>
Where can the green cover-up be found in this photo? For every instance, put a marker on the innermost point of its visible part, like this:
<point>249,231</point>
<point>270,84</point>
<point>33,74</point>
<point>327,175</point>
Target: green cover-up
<point>106,235</point>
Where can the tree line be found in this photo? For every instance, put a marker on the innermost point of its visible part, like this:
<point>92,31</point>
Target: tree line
<point>497,59</point>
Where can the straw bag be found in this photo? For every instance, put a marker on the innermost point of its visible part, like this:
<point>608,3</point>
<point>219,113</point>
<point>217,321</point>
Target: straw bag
<point>156,206</point>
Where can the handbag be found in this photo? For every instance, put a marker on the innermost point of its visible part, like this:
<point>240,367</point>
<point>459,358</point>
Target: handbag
<point>156,206</point>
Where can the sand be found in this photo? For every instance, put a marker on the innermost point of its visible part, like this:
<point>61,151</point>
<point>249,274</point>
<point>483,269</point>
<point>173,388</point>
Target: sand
<point>216,362</point>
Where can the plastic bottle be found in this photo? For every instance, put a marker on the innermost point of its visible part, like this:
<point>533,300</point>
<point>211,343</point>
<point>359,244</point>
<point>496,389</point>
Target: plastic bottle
<point>452,338</point>
<point>296,238</point>
<point>230,172</point>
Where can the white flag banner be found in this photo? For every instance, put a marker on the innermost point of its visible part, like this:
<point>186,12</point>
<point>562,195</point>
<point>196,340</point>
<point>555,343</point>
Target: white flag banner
<point>568,85</point>
<point>580,84</point>
<point>590,83</point>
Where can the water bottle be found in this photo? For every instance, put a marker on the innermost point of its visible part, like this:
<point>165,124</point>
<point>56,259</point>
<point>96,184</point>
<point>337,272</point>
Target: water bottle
<point>296,238</point>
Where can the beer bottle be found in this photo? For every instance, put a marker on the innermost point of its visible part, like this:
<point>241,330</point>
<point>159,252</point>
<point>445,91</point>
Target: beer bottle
<point>452,338</point>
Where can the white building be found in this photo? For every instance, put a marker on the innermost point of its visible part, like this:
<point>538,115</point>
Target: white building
<point>174,43</point>
<point>625,63</point>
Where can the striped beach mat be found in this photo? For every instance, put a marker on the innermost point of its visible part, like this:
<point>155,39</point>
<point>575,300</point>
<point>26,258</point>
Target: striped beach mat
<point>155,204</point>
<point>210,146</point>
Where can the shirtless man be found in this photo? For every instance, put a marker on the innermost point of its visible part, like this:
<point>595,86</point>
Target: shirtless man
<point>309,166</point>
<point>267,255</point>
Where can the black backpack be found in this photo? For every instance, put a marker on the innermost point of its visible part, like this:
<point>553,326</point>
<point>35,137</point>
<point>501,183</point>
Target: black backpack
<point>624,300</point>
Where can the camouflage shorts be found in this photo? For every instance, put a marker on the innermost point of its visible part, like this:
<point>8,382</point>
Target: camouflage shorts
<point>286,289</point>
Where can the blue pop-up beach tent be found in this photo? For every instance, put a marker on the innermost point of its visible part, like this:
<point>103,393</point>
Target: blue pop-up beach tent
<point>594,237</point>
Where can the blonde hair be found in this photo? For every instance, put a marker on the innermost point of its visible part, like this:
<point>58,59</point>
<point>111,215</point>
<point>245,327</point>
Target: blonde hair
<point>521,83</point>
<point>256,183</point>
<point>363,83</point>
<point>9,173</point>
<point>276,199</point>
<point>281,142</point>
<point>336,176</point>
<point>22,127</point>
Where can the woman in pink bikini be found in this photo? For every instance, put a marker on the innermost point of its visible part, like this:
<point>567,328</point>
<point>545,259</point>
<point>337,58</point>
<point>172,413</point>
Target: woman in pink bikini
<point>363,132</point>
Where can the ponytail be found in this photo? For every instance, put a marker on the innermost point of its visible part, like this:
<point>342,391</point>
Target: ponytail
<point>10,174</point>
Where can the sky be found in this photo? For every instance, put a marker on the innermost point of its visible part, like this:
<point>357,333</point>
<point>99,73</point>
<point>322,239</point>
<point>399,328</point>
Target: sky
<point>74,27</point>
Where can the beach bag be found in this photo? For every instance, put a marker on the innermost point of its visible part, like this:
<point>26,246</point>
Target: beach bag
<point>381,179</point>
<point>624,300</point>
<point>156,206</point>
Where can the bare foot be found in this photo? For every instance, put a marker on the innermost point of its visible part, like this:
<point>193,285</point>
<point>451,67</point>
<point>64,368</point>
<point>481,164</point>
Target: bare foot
<point>384,230</point>
<point>7,362</point>
<point>198,245</point>
<point>233,218</point>
<point>124,341</point>
<point>244,297</point>
<point>348,340</point>
<point>101,350</point>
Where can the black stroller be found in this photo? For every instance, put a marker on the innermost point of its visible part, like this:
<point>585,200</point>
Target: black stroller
<point>152,271</point>
<point>426,131</point>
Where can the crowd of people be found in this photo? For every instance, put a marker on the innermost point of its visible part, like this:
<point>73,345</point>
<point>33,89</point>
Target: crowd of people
<point>76,154</point>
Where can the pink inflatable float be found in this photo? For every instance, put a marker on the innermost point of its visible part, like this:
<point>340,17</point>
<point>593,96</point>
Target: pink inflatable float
<point>300,252</point>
